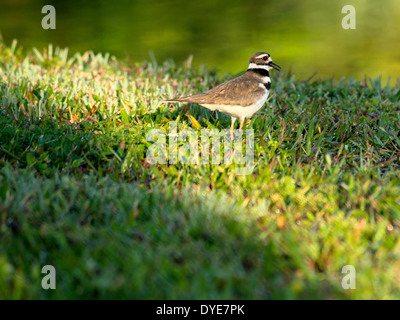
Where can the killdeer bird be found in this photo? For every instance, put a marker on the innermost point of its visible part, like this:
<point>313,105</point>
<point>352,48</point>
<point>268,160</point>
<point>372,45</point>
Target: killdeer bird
<point>240,97</point>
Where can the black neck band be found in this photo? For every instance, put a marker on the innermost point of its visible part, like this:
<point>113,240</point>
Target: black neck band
<point>262,72</point>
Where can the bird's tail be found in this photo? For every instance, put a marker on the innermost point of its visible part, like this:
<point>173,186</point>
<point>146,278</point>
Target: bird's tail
<point>180,99</point>
<point>170,100</point>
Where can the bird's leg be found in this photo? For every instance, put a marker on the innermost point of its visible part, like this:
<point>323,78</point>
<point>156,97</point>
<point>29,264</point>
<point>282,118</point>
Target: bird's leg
<point>241,124</point>
<point>184,108</point>
<point>232,125</point>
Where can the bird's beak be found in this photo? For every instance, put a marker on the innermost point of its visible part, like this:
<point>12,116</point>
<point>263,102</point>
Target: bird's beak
<point>275,66</point>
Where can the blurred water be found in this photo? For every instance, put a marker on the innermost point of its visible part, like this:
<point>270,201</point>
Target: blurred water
<point>302,36</point>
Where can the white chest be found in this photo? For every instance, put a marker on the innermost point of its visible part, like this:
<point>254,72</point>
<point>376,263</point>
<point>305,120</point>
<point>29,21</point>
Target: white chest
<point>239,111</point>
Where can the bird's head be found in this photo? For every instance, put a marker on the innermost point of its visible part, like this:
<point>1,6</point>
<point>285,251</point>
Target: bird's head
<point>262,60</point>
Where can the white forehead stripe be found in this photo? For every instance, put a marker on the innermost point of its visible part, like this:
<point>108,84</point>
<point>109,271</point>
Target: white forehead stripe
<point>262,55</point>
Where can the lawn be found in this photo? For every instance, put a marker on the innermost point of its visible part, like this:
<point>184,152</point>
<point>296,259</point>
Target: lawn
<point>78,192</point>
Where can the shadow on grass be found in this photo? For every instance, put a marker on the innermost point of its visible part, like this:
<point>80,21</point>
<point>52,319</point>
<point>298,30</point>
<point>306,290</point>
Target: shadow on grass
<point>119,240</point>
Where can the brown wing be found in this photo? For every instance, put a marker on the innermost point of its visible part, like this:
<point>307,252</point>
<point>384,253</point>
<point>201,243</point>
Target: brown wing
<point>243,91</point>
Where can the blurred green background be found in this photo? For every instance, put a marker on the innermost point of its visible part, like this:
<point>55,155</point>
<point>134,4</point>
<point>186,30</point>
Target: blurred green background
<point>302,36</point>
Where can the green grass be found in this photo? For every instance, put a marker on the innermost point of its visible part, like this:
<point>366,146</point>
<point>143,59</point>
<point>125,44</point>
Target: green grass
<point>77,192</point>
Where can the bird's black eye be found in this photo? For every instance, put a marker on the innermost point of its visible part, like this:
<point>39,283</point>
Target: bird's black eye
<point>265,58</point>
